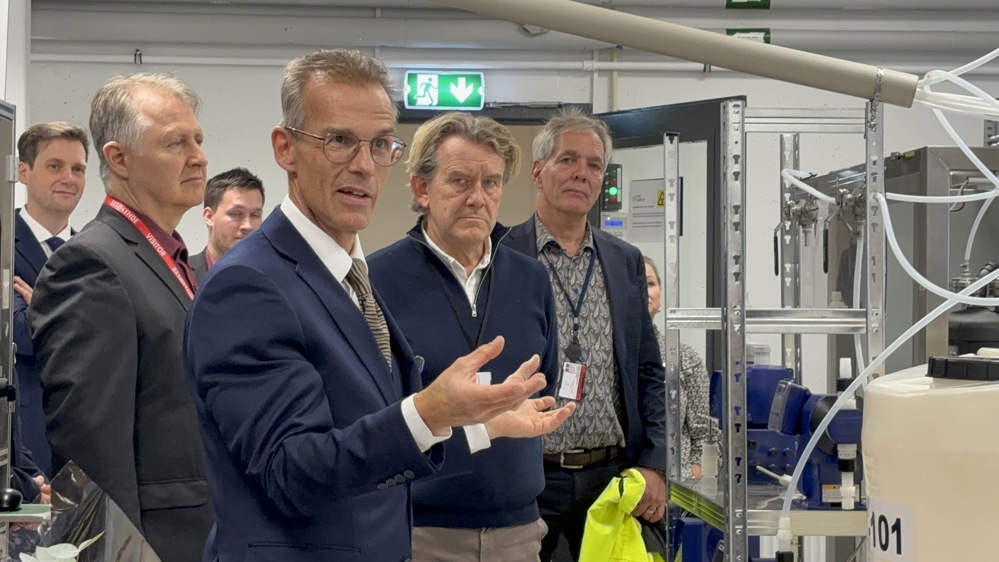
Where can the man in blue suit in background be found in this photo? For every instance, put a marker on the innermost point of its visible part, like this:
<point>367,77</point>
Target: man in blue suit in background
<point>52,164</point>
<point>309,398</point>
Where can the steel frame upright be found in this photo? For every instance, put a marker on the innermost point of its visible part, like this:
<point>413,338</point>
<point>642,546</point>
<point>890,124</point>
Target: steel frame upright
<point>733,145</point>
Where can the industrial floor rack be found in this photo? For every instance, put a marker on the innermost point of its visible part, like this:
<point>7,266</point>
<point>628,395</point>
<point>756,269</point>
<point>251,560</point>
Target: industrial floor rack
<point>738,509</point>
<point>8,172</point>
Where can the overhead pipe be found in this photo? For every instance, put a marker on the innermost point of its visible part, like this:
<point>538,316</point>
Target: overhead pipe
<point>769,61</point>
<point>823,32</point>
<point>584,65</point>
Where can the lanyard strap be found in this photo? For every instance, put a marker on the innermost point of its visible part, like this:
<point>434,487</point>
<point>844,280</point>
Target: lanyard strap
<point>465,329</point>
<point>124,211</point>
<point>578,307</point>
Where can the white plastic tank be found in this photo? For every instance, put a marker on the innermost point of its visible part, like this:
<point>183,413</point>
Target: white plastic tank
<point>931,469</point>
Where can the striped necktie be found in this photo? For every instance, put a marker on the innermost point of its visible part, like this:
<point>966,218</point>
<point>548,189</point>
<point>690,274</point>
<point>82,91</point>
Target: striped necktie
<point>358,279</point>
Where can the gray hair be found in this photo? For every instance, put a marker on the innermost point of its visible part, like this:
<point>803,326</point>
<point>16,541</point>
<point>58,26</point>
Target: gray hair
<point>114,113</point>
<point>339,65</point>
<point>423,163</point>
<point>570,120</point>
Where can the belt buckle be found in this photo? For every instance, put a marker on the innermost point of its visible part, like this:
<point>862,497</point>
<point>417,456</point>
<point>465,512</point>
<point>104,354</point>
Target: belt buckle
<point>561,459</point>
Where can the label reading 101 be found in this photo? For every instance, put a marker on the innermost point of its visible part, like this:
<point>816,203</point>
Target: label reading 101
<point>890,531</point>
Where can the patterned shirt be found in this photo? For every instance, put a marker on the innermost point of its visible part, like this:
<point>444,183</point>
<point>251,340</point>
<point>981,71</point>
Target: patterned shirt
<point>597,419</point>
<point>694,413</point>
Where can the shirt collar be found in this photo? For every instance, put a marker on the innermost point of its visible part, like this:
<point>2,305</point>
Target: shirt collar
<point>334,257</point>
<point>544,238</point>
<point>40,231</point>
<point>172,243</point>
<point>456,267</point>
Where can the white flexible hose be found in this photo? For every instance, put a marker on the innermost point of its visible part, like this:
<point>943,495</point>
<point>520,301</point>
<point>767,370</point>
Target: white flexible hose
<point>858,348</point>
<point>984,104</point>
<point>974,230</point>
<point>852,389</point>
<point>918,277</point>
<point>975,63</point>
<point>789,175</point>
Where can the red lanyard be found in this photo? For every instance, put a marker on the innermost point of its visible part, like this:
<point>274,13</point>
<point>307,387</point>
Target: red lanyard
<point>142,228</point>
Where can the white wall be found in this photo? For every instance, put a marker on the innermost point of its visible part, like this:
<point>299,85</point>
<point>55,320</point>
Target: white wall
<point>241,105</point>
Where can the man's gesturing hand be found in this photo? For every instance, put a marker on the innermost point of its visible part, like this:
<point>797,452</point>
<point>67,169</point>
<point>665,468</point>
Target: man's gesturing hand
<point>454,399</point>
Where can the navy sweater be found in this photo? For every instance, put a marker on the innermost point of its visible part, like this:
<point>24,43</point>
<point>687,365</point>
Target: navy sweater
<point>515,300</point>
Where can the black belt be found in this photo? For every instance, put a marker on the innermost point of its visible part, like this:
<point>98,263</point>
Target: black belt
<point>582,458</point>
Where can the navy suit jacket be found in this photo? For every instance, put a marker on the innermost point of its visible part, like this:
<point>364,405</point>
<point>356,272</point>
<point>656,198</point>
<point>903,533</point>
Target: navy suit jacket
<point>307,452</point>
<point>28,262</point>
<point>636,350</point>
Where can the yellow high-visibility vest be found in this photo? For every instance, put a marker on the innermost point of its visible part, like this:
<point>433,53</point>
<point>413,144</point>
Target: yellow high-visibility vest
<point>612,533</point>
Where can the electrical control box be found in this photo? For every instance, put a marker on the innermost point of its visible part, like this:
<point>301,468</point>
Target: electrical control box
<point>611,196</point>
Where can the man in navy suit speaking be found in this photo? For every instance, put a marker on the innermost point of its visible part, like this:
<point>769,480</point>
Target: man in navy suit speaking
<point>312,412</point>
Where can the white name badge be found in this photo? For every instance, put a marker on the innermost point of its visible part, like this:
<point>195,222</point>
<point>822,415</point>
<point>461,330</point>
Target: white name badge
<point>573,378</point>
<point>890,532</point>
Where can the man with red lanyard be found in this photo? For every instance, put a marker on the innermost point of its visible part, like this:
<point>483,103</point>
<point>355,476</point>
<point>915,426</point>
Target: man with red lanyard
<point>107,317</point>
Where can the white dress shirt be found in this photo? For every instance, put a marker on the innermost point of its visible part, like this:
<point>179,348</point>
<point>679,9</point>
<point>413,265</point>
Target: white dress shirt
<point>470,283</point>
<point>41,233</point>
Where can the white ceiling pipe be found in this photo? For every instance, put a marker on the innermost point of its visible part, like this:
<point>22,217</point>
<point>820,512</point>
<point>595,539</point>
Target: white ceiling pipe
<point>938,5</point>
<point>769,61</point>
<point>583,66</point>
<point>710,16</point>
<point>125,31</point>
<point>851,46</point>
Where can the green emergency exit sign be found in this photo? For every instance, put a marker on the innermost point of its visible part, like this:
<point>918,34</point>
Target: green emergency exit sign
<point>747,4</point>
<point>445,90</point>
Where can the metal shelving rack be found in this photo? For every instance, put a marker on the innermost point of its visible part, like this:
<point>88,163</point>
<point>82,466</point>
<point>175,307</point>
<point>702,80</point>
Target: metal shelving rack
<point>741,510</point>
<point>8,173</point>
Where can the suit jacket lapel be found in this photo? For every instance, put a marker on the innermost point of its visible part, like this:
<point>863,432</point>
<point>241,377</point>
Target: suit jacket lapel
<point>145,252</point>
<point>616,277</point>
<point>342,310</point>
<point>30,251</point>
<point>524,238</point>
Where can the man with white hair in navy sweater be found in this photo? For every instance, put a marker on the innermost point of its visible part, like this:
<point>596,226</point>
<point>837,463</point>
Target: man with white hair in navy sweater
<point>451,285</point>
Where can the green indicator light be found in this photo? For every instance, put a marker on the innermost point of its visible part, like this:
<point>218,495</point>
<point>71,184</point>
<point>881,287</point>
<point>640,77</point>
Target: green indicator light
<point>612,191</point>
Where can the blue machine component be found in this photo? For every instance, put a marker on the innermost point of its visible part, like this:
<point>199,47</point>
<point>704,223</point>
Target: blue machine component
<point>797,412</point>
<point>767,448</point>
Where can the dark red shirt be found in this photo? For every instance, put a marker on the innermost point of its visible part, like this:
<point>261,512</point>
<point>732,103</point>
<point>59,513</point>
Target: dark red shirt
<point>174,246</point>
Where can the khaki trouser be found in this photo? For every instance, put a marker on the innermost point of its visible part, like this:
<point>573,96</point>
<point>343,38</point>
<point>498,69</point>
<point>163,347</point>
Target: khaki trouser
<point>496,544</point>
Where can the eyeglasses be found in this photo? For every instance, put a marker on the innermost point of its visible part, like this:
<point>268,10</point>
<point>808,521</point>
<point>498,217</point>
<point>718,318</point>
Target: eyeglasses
<point>341,147</point>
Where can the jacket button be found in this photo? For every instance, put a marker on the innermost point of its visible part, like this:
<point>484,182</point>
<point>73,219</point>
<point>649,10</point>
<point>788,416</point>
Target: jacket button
<point>390,482</point>
<point>409,473</point>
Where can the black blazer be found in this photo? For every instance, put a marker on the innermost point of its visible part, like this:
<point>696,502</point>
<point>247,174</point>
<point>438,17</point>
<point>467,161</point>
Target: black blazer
<point>636,351</point>
<point>107,317</point>
<point>199,264</point>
